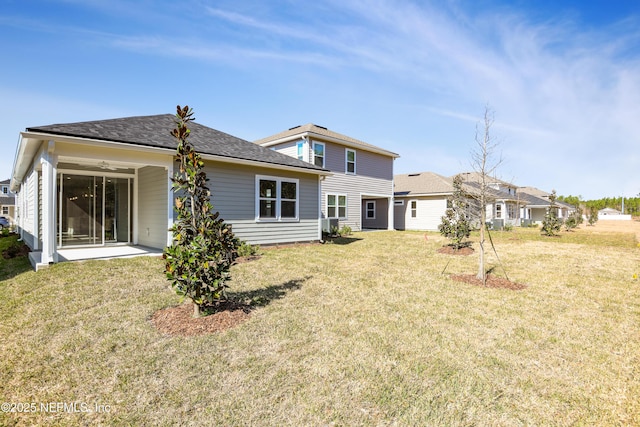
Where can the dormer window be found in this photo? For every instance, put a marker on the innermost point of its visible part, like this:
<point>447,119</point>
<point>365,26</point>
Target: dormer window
<point>350,161</point>
<point>5,189</point>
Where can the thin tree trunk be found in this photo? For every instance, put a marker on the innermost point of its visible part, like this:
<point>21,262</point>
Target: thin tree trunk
<point>196,310</point>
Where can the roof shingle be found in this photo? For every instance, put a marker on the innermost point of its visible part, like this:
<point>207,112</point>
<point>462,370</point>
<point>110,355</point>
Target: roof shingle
<point>154,131</point>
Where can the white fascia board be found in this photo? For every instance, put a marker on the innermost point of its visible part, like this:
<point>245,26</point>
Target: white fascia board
<point>319,137</point>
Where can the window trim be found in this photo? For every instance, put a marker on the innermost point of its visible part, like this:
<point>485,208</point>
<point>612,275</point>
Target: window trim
<point>413,211</point>
<point>324,153</point>
<point>337,205</point>
<point>346,161</point>
<point>498,211</point>
<point>366,209</point>
<point>278,199</point>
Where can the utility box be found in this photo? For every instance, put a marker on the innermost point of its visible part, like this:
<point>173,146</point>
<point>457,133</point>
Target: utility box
<point>328,224</point>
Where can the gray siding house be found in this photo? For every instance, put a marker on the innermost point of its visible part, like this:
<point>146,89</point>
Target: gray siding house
<point>359,193</point>
<point>106,183</point>
<point>7,201</point>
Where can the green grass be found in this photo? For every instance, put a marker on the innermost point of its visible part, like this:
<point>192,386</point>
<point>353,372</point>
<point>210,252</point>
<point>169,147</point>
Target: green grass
<point>373,335</point>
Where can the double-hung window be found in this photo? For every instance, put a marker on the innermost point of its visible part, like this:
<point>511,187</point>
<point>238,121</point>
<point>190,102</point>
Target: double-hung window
<point>336,206</point>
<point>277,198</point>
<point>414,208</point>
<point>350,161</point>
<point>318,154</point>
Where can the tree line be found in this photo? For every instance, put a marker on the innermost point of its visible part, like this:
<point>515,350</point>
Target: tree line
<point>631,204</point>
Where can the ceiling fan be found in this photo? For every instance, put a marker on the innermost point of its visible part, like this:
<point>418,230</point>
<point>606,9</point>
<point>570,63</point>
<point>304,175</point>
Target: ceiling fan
<point>104,165</point>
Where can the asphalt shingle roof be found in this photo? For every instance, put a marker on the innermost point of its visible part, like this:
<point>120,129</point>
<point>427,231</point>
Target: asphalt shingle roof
<point>421,184</point>
<point>154,131</point>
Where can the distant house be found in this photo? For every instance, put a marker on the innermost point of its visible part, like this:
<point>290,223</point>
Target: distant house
<point>608,211</point>
<point>535,204</point>
<point>7,201</point>
<point>359,193</point>
<point>503,200</point>
<point>104,183</point>
<point>421,200</point>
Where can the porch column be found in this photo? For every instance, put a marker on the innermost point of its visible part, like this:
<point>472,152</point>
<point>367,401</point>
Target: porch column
<point>170,210</point>
<point>390,221</point>
<point>48,197</point>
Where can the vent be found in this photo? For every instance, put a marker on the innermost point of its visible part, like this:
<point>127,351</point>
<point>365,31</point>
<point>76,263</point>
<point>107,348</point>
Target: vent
<point>414,174</point>
<point>295,127</point>
<point>321,127</point>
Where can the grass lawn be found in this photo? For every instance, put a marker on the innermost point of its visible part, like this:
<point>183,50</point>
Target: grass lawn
<point>367,332</point>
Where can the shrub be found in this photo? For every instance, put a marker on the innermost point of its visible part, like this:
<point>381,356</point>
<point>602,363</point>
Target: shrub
<point>551,224</point>
<point>345,231</point>
<point>454,225</point>
<point>245,249</point>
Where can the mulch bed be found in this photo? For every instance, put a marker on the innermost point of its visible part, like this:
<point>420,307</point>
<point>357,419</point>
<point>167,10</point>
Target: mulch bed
<point>450,250</point>
<point>180,321</point>
<point>492,281</point>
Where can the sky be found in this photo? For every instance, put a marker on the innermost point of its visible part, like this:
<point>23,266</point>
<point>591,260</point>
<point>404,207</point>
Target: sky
<point>561,79</point>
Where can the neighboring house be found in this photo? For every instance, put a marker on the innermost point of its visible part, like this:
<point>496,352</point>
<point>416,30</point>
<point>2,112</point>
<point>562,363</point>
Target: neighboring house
<point>7,201</point>
<point>359,193</point>
<point>101,183</point>
<point>608,211</point>
<point>535,204</point>
<point>421,200</point>
<point>503,199</point>
<point>607,214</point>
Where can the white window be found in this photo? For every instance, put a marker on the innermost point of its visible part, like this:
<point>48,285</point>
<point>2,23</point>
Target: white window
<point>414,208</point>
<point>318,154</point>
<point>370,211</point>
<point>350,161</point>
<point>5,210</point>
<point>5,189</point>
<point>300,150</point>
<point>336,206</point>
<point>511,211</point>
<point>276,199</point>
<point>498,211</point>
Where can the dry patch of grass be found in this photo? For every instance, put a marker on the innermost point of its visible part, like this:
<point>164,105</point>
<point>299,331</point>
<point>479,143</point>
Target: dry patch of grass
<point>372,334</point>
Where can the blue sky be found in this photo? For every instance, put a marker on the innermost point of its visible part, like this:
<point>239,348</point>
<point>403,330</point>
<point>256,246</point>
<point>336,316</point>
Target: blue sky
<point>414,77</point>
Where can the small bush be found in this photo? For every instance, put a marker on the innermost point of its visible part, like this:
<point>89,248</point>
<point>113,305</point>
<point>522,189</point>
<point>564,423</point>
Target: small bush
<point>345,231</point>
<point>508,227</point>
<point>245,249</point>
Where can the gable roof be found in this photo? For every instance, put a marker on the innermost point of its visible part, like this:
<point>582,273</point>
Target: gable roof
<point>321,133</point>
<point>422,183</point>
<point>154,131</point>
<point>7,200</point>
<point>5,182</point>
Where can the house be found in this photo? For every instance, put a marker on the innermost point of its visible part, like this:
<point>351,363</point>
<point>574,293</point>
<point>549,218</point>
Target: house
<point>421,200</point>
<point>535,204</point>
<point>104,183</point>
<point>359,193</point>
<point>7,201</point>
<point>503,199</point>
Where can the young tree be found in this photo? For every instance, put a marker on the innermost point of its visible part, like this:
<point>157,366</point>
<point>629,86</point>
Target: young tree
<point>551,224</point>
<point>455,225</point>
<point>204,247</point>
<point>593,215</point>
<point>574,219</point>
<point>483,163</point>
